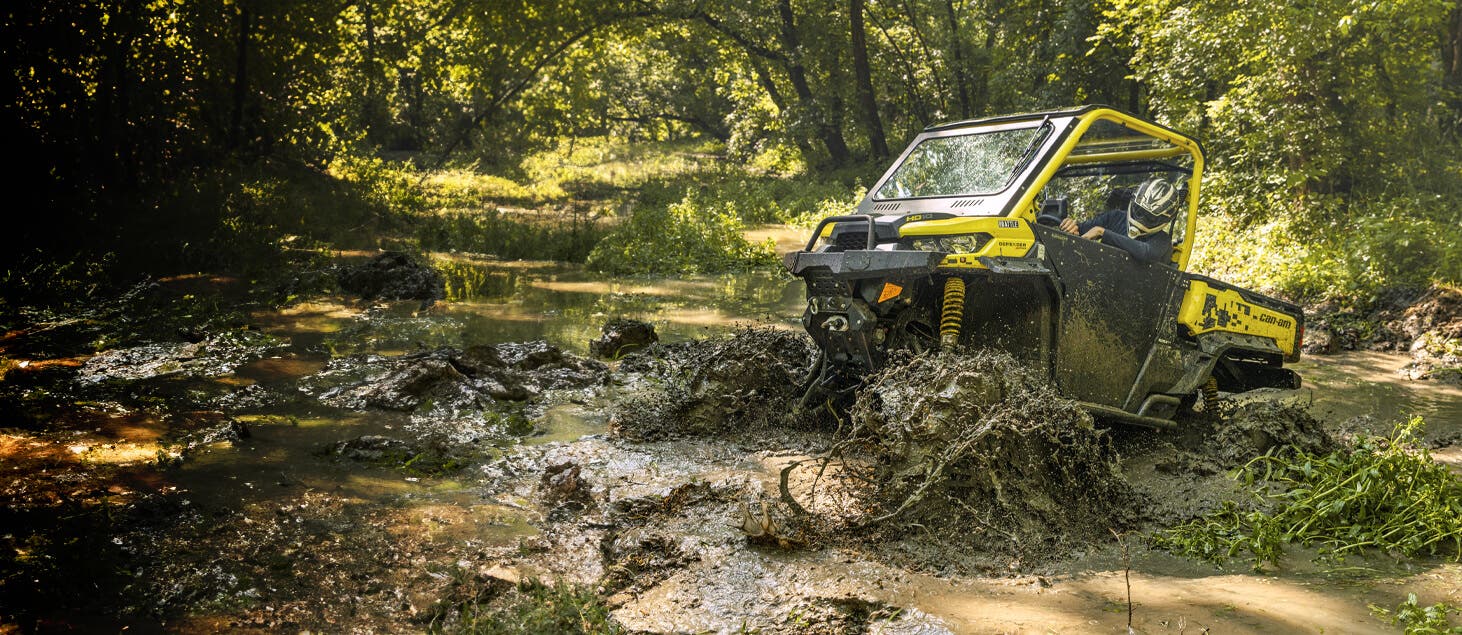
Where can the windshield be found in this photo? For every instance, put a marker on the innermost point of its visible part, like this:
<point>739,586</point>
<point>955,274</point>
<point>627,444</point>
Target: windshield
<point>972,164</point>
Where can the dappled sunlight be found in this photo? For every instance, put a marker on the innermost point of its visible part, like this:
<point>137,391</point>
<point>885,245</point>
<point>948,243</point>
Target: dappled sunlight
<point>1097,602</point>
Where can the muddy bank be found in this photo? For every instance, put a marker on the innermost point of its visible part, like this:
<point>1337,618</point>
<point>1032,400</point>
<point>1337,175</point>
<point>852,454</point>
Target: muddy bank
<point>1425,324</point>
<point>372,489</point>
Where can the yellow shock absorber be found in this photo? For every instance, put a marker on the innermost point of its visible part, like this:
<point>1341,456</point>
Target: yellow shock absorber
<point>954,312</point>
<point>1210,394</point>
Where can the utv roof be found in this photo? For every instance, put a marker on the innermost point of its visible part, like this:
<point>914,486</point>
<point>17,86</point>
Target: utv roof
<point>1074,111</point>
<point>1059,112</point>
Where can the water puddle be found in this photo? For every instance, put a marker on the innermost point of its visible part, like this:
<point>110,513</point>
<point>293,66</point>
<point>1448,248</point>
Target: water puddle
<point>1364,383</point>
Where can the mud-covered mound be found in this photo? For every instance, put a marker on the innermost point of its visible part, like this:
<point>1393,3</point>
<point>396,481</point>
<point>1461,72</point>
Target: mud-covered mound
<point>745,381</point>
<point>217,354</point>
<point>1248,428</point>
<point>975,445</point>
<point>393,276</point>
<point>451,378</point>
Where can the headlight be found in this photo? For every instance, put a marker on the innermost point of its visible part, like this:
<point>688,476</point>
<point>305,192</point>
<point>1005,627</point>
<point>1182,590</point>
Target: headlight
<point>927,244</point>
<point>966,244</point>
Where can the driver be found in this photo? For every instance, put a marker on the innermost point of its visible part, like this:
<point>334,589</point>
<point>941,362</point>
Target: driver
<point>1144,229</point>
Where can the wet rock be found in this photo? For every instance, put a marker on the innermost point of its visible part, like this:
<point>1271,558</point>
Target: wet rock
<point>639,559</point>
<point>1436,356</point>
<point>370,448</point>
<point>217,355</point>
<point>1434,327</point>
<point>1320,340</point>
<point>975,446</point>
<point>1439,311</point>
<point>564,483</point>
<point>428,457</point>
<point>744,382</point>
<point>409,385</point>
<point>621,337</point>
<point>393,276</point>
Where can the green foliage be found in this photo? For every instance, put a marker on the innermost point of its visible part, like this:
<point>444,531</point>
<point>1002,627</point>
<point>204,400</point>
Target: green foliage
<point>680,238</point>
<point>1421,620</point>
<point>1393,245</point>
<point>181,135</point>
<point>1382,493</point>
<point>1332,153</point>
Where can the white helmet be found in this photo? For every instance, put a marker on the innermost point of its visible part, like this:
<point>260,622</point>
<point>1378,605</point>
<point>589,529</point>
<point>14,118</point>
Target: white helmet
<point>1152,209</point>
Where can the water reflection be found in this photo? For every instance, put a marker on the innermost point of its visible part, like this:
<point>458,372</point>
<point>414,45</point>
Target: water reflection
<point>566,305</point>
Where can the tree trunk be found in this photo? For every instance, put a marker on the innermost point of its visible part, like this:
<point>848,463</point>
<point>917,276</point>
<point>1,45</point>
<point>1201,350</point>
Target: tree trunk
<point>831,134</point>
<point>241,78</point>
<point>1452,69</point>
<point>765,79</point>
<point>958,68</point>
<point>372,111</point>
<point>867,102</point>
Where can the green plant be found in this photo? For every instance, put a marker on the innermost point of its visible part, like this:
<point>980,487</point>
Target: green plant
<point>1420,620</point>
<point>532,607</point>
<point>1381,493</point>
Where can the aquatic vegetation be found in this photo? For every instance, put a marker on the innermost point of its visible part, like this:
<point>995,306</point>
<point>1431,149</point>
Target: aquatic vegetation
<point>1421,620</point>
<point>1383,492</point>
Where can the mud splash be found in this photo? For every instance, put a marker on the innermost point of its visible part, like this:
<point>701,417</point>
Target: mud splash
<point>973,446</point>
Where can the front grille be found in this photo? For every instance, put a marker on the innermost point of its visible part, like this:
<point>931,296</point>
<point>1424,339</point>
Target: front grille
<point>851,240</point>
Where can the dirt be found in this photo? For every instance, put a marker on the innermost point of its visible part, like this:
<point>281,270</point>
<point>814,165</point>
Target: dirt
<point>620,337</point>
<point>380,490</point>
<point>393,275</point>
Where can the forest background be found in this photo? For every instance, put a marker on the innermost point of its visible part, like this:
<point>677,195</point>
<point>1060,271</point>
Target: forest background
<point>165,136</point>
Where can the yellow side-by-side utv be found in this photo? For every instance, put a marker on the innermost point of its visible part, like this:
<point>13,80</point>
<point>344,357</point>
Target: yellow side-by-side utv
<point>959,244</point>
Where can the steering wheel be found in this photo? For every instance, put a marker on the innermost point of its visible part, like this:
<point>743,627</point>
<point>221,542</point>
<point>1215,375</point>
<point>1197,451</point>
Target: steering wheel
<point>1053,211</point>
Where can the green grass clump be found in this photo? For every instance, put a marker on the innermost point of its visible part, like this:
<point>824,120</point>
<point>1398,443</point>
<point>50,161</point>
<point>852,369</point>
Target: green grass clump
<point>533,607</point>
<point>1381,493</point>
<point>1421,620</point>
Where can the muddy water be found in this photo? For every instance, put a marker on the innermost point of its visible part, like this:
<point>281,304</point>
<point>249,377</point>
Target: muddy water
<point>1370,385</point>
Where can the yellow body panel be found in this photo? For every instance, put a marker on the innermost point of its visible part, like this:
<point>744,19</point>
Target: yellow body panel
<point>1009,238</point>
<point>1206,309</point>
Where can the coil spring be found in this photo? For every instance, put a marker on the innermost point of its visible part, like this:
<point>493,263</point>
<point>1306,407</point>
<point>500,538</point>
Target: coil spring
<point>1210,393</point>
<point>951,319</point>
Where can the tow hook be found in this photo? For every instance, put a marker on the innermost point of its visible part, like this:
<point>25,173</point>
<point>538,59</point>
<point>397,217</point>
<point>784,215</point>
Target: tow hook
<point>836,323</point>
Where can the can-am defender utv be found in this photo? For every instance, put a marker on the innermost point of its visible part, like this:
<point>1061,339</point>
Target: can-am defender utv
<point>959,244</point>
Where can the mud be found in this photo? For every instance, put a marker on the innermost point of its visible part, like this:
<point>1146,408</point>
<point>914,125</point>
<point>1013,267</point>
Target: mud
<point>250,501</point>
<point>748,381</point>
<point>451,379</point>
<point>1425,324</point>
<point>1242,428</point>
<point>218,354</point>
<point>973,447</point>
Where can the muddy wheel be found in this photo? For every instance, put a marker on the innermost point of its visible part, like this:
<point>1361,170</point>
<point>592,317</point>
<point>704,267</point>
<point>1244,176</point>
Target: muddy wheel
<point>912,331</point>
